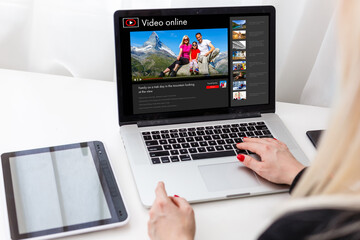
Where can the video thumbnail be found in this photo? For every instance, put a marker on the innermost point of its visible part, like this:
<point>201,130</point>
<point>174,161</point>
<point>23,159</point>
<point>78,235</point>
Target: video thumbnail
<point>239,35</point>
<point>239,55</point>
<point>239,65</point>
<point>237,75</point>
<point>239,85</point>
<point>239,24</point>
<point>239,95</point>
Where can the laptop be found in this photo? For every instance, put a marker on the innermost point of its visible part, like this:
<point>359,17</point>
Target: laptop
<point>191,84</point>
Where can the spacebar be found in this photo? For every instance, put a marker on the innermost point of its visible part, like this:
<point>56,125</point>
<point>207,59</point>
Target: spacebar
<point>212,155</point>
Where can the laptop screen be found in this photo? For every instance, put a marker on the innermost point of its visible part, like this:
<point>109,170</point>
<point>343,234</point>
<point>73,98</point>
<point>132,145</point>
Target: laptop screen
<point>174,62</point>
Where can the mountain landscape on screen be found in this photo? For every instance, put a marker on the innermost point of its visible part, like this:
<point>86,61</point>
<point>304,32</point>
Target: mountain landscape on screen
<point>148,60</point>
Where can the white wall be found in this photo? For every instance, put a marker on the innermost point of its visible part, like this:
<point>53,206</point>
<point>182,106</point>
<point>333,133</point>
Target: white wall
<point>75,38</point>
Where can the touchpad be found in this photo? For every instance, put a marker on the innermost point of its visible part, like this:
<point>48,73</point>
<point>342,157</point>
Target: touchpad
<point>225,176</point>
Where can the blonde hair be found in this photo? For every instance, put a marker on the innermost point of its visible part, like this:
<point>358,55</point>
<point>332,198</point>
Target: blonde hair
<point>336,168</point>
<point>182,41</point>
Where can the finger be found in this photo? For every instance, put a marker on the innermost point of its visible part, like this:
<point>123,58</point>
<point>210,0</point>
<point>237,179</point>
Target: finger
<point>259,140</point>
<point>180,202</point>
<point>160,191</point>
<point>252,146</point>
<point>250,162</point>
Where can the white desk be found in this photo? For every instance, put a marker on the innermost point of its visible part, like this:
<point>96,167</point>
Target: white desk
<point>39,110</point>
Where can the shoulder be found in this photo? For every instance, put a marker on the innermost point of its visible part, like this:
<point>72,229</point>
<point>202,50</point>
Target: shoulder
<point>303,224</point>
<point>206,41</point>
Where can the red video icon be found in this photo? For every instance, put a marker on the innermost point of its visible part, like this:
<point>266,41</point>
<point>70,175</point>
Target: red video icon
<point>130,22</point>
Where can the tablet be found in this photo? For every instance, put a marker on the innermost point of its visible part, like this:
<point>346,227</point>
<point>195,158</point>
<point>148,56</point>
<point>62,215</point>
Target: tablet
<point>62,190</point>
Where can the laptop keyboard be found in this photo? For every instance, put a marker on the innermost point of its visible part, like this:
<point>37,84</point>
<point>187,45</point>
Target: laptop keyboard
<point>187,144</point>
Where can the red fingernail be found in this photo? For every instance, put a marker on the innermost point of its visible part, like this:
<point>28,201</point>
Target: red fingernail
<point>240,157</point>
<point>275,138</point>
<point>176,196</point>
<point>244,137</point>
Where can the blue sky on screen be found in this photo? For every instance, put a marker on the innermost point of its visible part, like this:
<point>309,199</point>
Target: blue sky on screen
<point>240,22</point>
<point>172,38</point>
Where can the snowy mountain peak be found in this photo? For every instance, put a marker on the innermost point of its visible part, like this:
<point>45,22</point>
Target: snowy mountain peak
<point>153,44</point>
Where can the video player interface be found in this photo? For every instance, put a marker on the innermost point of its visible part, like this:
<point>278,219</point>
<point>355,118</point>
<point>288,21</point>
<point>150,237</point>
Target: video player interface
<point>195,62</point>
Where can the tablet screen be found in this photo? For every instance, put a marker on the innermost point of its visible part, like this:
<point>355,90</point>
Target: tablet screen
<point>59,188</point>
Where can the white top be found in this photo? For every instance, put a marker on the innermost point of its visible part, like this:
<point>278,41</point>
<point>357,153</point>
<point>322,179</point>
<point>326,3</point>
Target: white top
<point>204,46</point>
<point>40,110</point>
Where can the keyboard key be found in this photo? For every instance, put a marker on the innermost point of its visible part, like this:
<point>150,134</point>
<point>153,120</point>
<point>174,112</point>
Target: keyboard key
<point>217,131</point>
<point>155,132</point>
<point>185,145</point>
<point>194,144</point>
<point>225,130</point>
<point>165,135</point>
<point>258,133</point>
<point>241,134</point>
<point>228,147</point>
<point>252,124</point>
<point>159,154</point>
<point>156,136</point>
<point>165,159</point>
<point>218,148</point>
<point>201,149</point>
<point>209,132</point>
<point>200,128</point>
<point>243,124</point>
<point>174,130</point>
<point>145,133</point>
<point>242,129</point>
<point>209,127</point>
<point>174,135</point>
<point>234,129</point>
<point>229,141</point>
<point>260,123</point>
<point>164,131</point>
<point>162,142</point>
<point>215,137</point>
<point>200,133</point>
<point>176,146</point>
<point>167,147</point>
<point>172,141</point>
<point>223,136</point>
<point>207,138</point>
<point>250,134</point>
<point>191,129</point>
<point>250,128</point>
<point>210,149</point>
<point>234,125</point>
<point>182,130</point>
<point>198,139</point>
<point>155,160</point>
<point>203,144</point>
<point>151,143</point>
<point>183,151</point>
<point>212,143</point>
<point>238,140</point>
<point>190,139</point>
<point>266,132</point>
<point>174,159</point>
<point>183,134</point>
<point>192,134</point>
<point>233,135</point>
<point>147,137</point>
<point>174,152</point>
<point>185,157</point>
<point>155,148</point>
<point>181,140</point>
<point>262,127</point>
<point>212,155</point>
<point>220,142</point>
<point>192,150</point>
<point>218,126</point>
<point>226,126</point>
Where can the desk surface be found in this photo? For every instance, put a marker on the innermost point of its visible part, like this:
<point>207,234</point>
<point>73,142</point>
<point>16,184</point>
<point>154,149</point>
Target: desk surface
<point>39,110</point>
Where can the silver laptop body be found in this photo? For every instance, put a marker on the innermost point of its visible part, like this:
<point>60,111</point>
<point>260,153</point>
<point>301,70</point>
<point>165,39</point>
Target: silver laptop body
<point>228,97</point>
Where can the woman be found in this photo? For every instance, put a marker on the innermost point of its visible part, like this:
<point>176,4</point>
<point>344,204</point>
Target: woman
<point>182,58</point>
<point>326,200</point>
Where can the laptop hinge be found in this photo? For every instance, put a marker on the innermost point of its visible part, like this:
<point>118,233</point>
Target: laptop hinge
<point>198,119</point>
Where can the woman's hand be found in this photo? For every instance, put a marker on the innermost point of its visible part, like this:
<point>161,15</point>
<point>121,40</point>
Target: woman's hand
<point>170,217</point>
<point>277,163</point>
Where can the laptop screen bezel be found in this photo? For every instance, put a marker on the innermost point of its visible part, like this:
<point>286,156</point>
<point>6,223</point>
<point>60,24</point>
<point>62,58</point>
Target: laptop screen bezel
<point>123,88</point>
